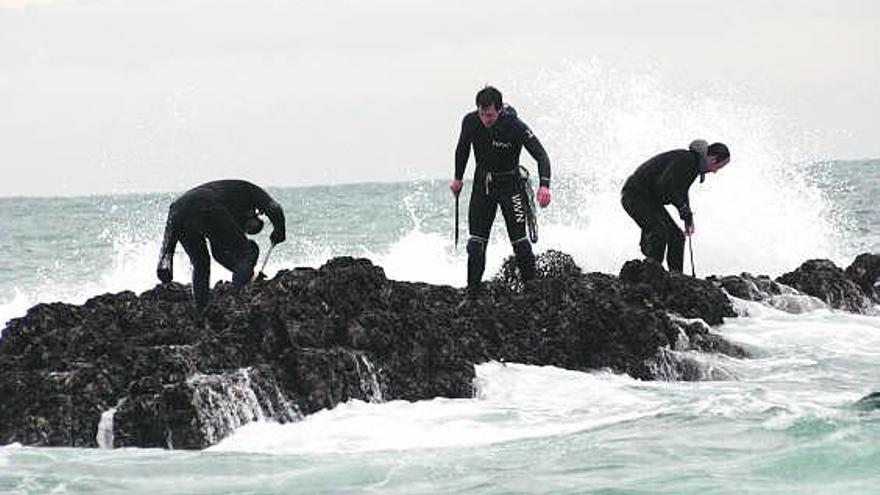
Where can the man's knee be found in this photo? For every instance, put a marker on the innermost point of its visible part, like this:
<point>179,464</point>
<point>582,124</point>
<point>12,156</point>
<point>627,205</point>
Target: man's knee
<point>476,246</point>
<point>244,267</point>
<point>654,242</point>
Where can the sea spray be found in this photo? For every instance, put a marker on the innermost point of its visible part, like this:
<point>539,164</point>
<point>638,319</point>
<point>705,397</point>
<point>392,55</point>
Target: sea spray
<point>225,402</point>
<point>104,437</point>
<point>369,377</point>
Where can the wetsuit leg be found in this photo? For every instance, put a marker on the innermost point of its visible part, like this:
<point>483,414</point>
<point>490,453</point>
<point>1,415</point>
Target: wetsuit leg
<point>193,243</point>
<point>674,244</point>
<point>229,245</point>
<point>240,264</point>
<point>481,215</point>
<point>525,259</point>
<point>513,207</point>
<point>649,216</point>
<point>476,249</point>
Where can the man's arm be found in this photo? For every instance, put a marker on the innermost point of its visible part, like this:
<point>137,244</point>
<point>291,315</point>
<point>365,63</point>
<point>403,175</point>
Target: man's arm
<point>463,149</point>
<point>674,182</point>
<point>165,269</point>
<point>536,149</point>
<point>265,204</point>
<point>276,216</point>
<point>462,153</point>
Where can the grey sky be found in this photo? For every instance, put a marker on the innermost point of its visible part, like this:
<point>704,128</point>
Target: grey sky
<point>122,96</point>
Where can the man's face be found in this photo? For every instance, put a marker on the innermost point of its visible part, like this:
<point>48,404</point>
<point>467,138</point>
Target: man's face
<point>488,115</point>
<point>713,165</point>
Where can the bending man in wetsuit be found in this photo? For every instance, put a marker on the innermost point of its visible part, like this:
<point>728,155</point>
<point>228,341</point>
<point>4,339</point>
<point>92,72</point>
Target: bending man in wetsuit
<point>662,180</point>
<point>222,212</point>
<point>498,136</point>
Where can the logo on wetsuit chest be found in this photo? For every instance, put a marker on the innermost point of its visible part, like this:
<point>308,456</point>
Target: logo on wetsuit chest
<point>501,144</point>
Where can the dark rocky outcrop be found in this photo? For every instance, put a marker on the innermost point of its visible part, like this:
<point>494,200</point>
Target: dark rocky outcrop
<point>749,287</point>
<point>690,297</point>
<point>816,283</point>
<point>825,280</point>
<point>870,402</point>
<point>309,339</point>
<point>865,272</point>
<point>763,289</point>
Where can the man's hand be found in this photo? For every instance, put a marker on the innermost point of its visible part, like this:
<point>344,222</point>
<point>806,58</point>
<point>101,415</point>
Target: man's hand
<point>543,196</point>
<point>689,229</point>
<point>277,236</point>
<point>455,186</point>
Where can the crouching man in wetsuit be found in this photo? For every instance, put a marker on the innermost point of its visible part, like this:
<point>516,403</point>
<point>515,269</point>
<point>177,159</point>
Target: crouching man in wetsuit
<point>498,136</point>
<point>222,212</point>
<point>662,180</point>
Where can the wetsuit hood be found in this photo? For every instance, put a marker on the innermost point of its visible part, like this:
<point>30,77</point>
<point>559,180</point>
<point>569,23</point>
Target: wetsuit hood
<point>253,225</point>
<point>701,148</point>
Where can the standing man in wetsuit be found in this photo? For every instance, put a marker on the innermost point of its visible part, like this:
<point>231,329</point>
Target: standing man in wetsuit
<point>662,180</point>
<point>498,136</point>
<point>222,212</point>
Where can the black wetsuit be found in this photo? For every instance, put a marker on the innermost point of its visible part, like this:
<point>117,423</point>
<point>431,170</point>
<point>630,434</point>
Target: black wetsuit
<point>662,180</point>
<point>496,183</point>
<point>217,211</point>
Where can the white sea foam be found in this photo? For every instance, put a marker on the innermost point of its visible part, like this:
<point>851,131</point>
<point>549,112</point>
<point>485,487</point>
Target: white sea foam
<point>513,402</point>
<point>798,379</point>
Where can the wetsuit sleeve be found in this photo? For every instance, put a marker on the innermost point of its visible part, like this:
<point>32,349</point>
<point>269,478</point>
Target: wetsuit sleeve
<point>264,203</point>
<point>674,182</point>
<point>463,149</point>
<point>165,269</point>
<point>276,216</point>
<point>534,147</point>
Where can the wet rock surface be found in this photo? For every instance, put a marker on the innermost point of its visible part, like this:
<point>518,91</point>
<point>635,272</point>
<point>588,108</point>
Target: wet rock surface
<point>815,284</point>
<point>309,339</point>
<point>823,279</point>
<point>870,402</point>
<point>690,297</point>
<point>865,272</point>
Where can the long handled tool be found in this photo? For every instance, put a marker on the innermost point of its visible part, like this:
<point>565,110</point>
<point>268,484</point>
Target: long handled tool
<point>691,249</point>
<point>265,260</point>
<point>456,218</point>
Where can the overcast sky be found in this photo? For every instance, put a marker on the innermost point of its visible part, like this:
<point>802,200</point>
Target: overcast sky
<point>123,96</point>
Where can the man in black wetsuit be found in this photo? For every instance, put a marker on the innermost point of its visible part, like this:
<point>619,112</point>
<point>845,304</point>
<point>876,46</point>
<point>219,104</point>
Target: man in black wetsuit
<point>222,211</point>
<point>498,136</point>
<point>662,180</point>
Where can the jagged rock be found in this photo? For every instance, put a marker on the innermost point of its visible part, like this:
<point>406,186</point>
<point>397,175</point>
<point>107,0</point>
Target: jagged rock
<point>549,264</point>
<point>309,339</point>
<point>688,296</point>
<point>697,336</point>
<point>870,402</point>
<point>825,280</point>
<point>747,286</point>
<point>865,272</point>
<point>763,289</point>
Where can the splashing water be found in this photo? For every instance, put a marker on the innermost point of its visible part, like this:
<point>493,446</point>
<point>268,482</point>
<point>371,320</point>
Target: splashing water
<point>760,214</point>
